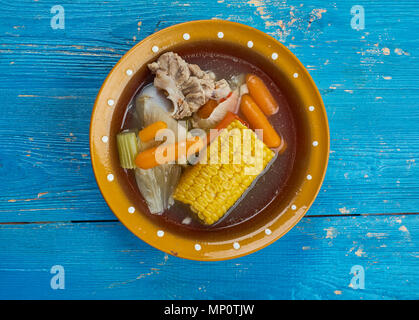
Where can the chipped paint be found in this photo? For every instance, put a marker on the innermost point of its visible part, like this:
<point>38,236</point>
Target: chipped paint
<point>278,28</point>
<point>386,51</point>
<point>51,97</point>
<point>410,163</point>
<point>400,52</point>
<point>27,96</point>
<point>376,235</point>
<point>331,233</point>
<point>360,252</point>
<point>404,229</point>
<point>344,210</point>
<point>315,14</point>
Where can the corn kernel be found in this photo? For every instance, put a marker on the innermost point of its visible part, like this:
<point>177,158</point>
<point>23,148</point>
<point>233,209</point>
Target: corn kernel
<point>212,189</point>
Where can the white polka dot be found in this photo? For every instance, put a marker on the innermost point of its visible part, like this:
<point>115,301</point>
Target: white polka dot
<point>294,207</point>
<point>105,139</point>
<point>110,177</point>
<point>274,56</point>
<point>129,72</point>
<point>315,143</point>
<point>187,220</point>
<point>131,210</point>
<point>155,49</point>
<point>268,231</point>
<point>311,108</point>
<point>197,247</point>
<point>160,233</point>
<point>220,35</point>
<point>295,75</point>
<point>309,177</point>
<point>111,102</point>
<point>186,36</point>
<point>250,44</point>
<point>236,245</point>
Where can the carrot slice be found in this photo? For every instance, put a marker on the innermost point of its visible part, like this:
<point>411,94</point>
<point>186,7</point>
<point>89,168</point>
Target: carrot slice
<point>261,94</point>
<point>149,132</point>
<point>205,111</point>
<point>153,157</point>
<point>225,98</point>
<point>258,120</point>
<point>228,118</point>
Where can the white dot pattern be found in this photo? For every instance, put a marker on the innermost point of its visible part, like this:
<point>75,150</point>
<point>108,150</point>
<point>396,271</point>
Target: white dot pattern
<point>129,72</point>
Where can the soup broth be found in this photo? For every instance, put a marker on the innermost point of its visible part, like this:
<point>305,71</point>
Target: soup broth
<point>226,63</point>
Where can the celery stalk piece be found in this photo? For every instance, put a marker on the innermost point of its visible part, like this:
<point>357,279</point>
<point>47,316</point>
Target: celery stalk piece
<point>127,149</point>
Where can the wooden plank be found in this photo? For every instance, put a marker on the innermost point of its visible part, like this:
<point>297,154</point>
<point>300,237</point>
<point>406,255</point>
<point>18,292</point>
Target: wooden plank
<point>46,163</point>
<point>380,56</point>
<point>368,80</point>
<point>313,261</point>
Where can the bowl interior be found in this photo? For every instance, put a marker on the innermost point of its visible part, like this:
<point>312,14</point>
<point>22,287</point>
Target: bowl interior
<point>306,109</point>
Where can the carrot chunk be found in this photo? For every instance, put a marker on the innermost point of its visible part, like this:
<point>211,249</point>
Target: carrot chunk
<point>149,132</point>
<point>205,111</point>
<point>261,94</point>
<point>153,157</point>
<point>258,120</point>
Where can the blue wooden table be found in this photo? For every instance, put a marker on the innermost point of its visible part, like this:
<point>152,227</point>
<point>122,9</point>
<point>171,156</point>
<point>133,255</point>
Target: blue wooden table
<point>52,213</point>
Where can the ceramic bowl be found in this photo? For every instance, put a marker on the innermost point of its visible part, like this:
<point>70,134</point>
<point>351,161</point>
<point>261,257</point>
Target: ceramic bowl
<point>280,215</point>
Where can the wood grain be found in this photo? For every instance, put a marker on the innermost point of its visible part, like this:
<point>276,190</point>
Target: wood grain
<point>313,261</point>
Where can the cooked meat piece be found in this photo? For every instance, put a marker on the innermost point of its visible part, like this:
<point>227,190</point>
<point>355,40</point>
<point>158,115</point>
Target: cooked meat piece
<point>196,71</point>
<point>186,85</point>
<point>162,80</point>
<point>173,65</point>
<point>222,90</point>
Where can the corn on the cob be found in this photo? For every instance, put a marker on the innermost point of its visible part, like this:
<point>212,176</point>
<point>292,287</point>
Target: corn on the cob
<point>212,188</point>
